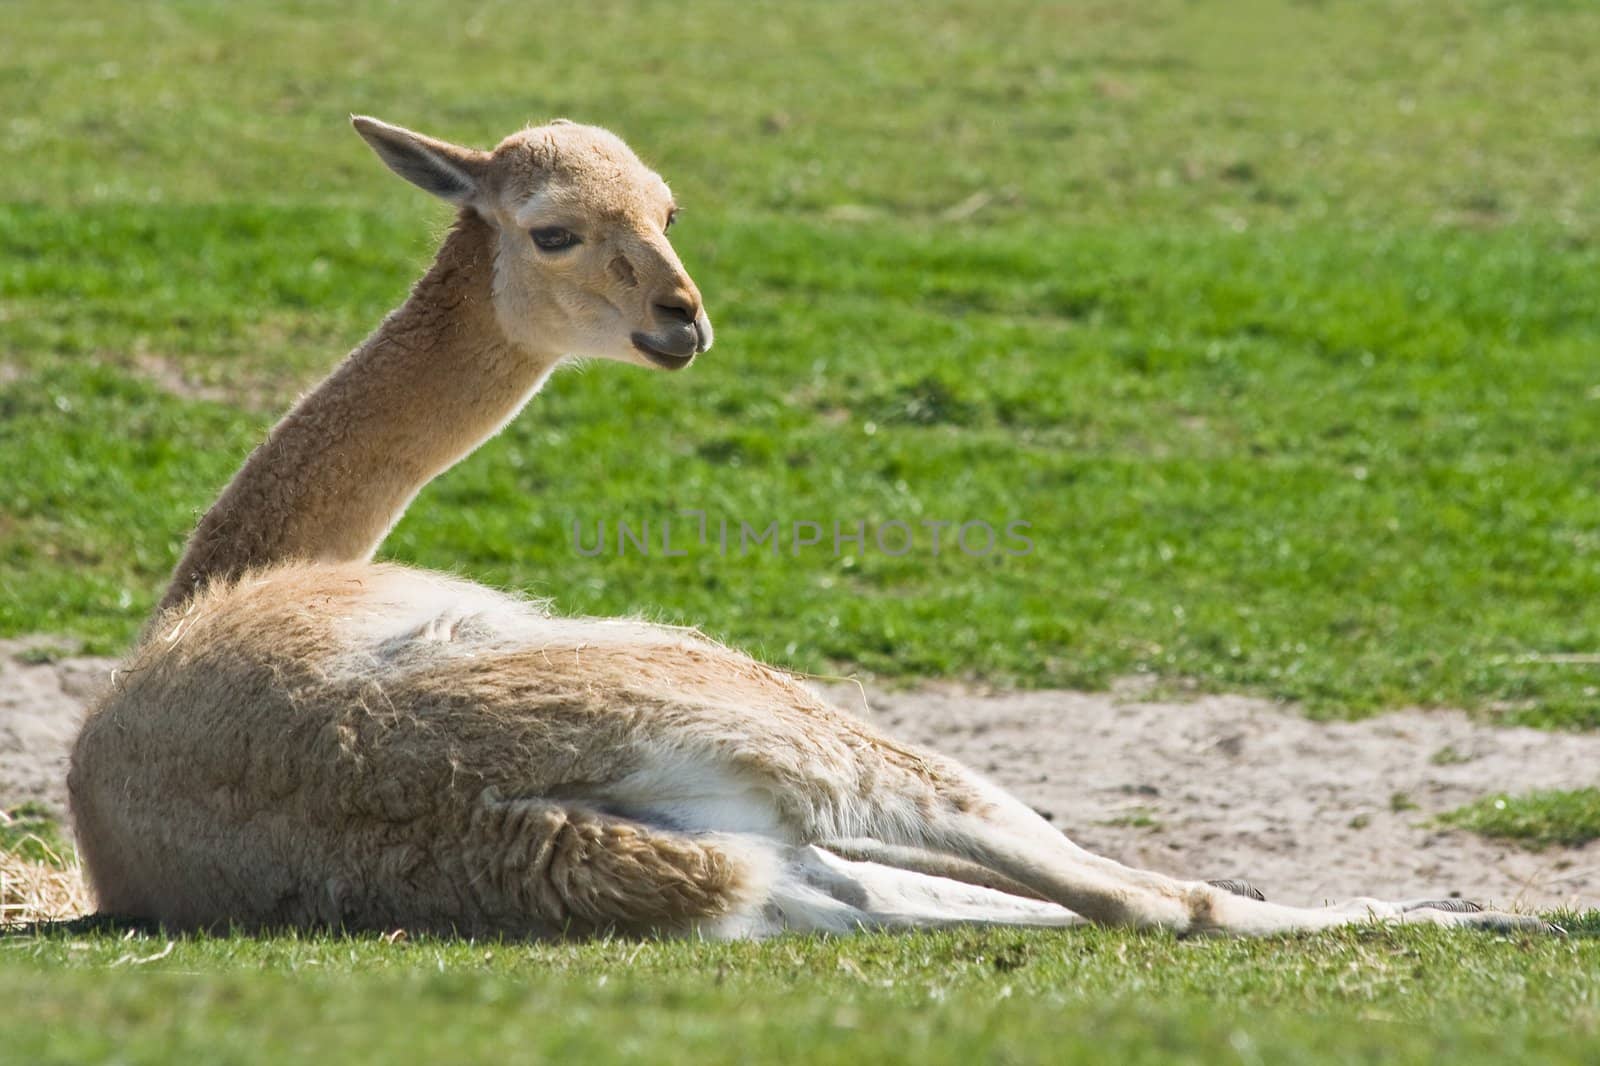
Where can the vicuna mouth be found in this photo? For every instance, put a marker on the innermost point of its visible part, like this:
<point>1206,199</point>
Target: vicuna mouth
<point>665,360</point>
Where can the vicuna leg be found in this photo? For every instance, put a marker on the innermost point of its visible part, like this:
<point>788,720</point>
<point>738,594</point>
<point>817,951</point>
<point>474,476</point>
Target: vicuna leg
<point>1006,836</point>
<point>966,871</point>
<point>817,891</point>
<point>875,799</point>
<point>934,864</point>
<point>715,743</point>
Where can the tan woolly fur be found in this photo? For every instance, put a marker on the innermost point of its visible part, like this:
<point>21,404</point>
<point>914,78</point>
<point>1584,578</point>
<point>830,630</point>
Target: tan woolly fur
<point>306,739</point>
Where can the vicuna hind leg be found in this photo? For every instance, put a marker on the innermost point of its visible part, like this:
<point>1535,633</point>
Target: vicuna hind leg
<point>797,772</point>
<point>982,824</point>
<point>934,864</point>
<point>816,891</point>
<point>968,872</point>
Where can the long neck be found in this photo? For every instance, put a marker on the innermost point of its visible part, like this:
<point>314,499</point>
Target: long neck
<point>436,380</point>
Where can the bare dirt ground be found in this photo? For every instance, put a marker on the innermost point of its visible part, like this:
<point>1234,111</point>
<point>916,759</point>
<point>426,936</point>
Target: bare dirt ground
<point>1221,786</point>
<point>41,704</point>
<point>1227,786</point>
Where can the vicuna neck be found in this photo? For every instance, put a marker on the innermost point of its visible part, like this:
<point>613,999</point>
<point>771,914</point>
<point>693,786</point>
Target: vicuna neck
<point>436,380</point>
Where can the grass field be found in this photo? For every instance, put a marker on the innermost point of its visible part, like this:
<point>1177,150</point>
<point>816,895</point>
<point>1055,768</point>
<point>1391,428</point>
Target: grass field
<point>1275,322</point>
<point>1284,353</point>
<point>1538,818</point>
<point>1091,996</point>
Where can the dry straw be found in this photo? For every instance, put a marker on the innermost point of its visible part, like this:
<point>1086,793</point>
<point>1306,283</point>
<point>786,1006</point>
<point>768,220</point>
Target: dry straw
<point>32,891</point>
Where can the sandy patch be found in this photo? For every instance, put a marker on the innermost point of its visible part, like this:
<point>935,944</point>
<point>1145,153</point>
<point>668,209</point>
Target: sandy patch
<point>1222,786</point>
<point>1227,786</point>
<point>41,706</point>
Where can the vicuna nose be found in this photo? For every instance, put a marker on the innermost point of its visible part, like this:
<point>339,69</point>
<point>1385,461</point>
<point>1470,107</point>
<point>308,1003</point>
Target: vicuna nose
<point>678,307</point>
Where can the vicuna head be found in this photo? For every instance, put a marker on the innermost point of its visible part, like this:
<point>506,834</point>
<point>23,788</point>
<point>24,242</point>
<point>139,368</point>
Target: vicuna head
<point>582,264</point>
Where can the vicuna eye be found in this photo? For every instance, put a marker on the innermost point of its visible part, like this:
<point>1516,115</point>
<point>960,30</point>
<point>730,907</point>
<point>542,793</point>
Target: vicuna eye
<point>672,216</point>
<point>554,238</point>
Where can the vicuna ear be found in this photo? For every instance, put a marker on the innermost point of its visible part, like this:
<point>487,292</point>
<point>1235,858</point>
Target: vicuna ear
<point>447,170</point>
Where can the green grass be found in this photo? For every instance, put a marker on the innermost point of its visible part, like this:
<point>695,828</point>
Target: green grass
<point>1275,320</point>
<point>1277,328</point>
<point>29,830</point>
<point>1537,819</point>
<point>1409,996</point>
<point>1290,400</point>
<point>1357,513</point>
